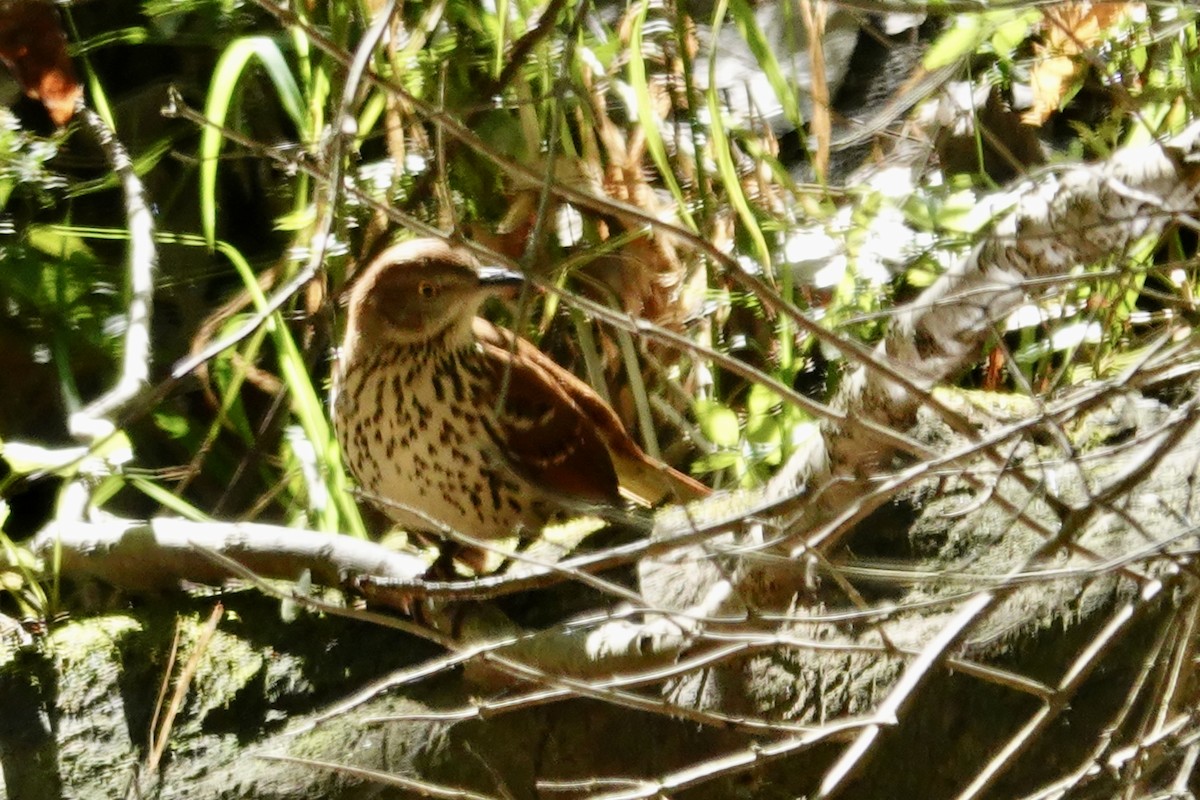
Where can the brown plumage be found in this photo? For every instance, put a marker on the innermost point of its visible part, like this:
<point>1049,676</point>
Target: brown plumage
<point>446,419</point>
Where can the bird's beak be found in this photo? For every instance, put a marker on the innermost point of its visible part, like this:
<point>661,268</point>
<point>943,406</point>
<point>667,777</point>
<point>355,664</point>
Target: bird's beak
<point>501,281</point>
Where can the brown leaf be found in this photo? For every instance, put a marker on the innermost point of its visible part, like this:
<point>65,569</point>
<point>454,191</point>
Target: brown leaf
<point>34,48</point>
<point>1072,29</point>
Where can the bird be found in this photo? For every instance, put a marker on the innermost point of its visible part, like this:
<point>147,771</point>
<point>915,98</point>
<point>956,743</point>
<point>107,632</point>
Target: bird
<point>453,425</point>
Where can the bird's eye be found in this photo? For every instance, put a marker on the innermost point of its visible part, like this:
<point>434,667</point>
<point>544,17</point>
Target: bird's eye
<point>426,289</point>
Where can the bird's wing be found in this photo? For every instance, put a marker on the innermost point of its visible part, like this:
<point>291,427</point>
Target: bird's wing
<point>543,433</point>
<point>646,480</point>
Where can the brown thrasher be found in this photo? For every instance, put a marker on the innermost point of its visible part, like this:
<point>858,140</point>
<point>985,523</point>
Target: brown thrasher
<point>448,421</point>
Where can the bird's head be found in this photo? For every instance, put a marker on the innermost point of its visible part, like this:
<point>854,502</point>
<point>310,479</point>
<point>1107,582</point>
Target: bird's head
<point>423,289</point>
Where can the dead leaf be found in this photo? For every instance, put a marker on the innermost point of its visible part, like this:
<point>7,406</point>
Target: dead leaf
<point>34,48</point>
<point>1071,30</point>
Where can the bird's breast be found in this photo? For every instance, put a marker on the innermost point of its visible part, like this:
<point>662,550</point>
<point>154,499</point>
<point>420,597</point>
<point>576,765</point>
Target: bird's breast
<point>414,424</point>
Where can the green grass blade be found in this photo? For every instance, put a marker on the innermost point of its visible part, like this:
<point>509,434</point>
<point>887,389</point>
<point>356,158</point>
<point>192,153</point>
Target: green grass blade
<point>226,77</point>
<point>341,515</point>
<point>720,145</point>
<point>646,116</point>
<point>166,499</point>
<point>747,25</point>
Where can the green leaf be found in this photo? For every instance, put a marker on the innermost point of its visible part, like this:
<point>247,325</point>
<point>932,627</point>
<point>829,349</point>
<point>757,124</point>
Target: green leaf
<point>962,39</point>
<point>766,437</point>
<point>922,274</point>
<point>175,426</point>
<point>718,423</point>
<point>716,462</point>
<point>1011,34</point>
<point>56,242</point>
<point>297,220</point>
<point>762,401</point>
<point>1006,28</point>
<point>957,213</point>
